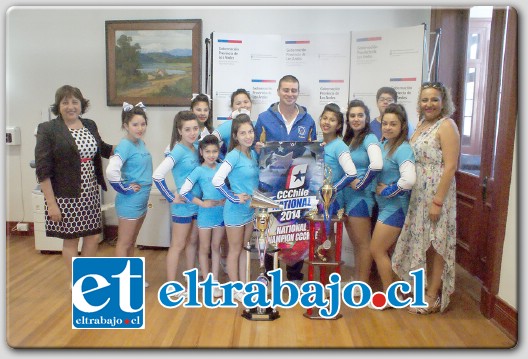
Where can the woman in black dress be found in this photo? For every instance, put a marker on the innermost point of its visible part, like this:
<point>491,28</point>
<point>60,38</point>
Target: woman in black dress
<point>69,169</point>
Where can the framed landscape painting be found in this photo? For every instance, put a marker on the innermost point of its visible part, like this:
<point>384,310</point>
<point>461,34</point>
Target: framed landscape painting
<point>156,62</point>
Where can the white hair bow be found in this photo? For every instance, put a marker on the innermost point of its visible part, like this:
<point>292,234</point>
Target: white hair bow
<point>194,95</point>
<point>240,111</point>
<point>127,107</point>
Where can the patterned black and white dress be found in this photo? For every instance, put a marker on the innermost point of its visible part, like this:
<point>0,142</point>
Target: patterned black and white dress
<point>81,216</point>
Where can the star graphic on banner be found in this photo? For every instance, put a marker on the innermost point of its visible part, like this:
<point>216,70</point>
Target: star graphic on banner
<point>280,148</point>
<point>299,176</point>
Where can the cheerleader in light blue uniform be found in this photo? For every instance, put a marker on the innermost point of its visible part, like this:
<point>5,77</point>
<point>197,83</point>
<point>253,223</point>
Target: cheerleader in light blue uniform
<point>181,160</point>
<point>336,153</point>
<point>393,189</point>
<point>366,153</point>
<point>337,158</point>
<point>129,171</point>
<point>200,107</point>
<point>240,166</point>
<point>211,229</point>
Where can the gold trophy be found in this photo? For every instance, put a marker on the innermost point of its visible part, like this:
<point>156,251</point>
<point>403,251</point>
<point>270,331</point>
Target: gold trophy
<point>262,220</point>
<point>262,205</point>
<point>328,193</point>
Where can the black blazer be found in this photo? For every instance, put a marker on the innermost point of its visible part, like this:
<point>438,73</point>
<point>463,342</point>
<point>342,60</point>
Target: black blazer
<point>57,157</point>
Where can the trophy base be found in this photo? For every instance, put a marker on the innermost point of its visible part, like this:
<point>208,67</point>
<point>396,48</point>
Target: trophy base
<point>314,314</point>
<point>268,315</point>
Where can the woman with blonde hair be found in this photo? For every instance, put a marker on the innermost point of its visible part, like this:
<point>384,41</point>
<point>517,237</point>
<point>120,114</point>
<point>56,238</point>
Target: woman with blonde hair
<point>429,232</point>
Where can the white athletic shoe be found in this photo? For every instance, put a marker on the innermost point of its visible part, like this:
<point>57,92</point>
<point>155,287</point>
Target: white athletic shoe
<point>357,290</point>
<point>217,292</point>
<point>178,295</point>
<point>371,306</point>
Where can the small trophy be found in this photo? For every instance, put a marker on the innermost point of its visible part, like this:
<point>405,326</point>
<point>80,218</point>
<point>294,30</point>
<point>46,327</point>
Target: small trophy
<point>262,205</point>
<point>328,193</point>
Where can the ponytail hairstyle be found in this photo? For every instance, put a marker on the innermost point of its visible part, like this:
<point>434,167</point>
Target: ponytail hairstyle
<point>400,112</point>
<point>206,141</point>
<point>350,138</point>
<point>334,108</point>
<point>204,98</point>
<point>237,122</point>
<point>179,119</point>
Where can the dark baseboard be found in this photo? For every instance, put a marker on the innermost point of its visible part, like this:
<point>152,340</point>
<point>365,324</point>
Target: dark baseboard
<point>503,315</point>
<point>506,318</point>
<point>10,225</point>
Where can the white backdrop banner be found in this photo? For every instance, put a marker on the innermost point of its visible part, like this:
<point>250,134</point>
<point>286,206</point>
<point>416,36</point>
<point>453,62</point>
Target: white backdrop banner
<point>390,57</point>
<point>330,68</point>
<point>257,62</point>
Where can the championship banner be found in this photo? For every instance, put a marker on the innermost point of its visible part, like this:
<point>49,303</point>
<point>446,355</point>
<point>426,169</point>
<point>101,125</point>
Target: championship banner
<point>291,173</point>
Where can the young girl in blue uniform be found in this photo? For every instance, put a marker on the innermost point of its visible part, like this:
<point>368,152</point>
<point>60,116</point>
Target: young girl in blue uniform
<point>240,166</point>
<point>200,106</point>
<point>211,228</point>
<point>359,196</point>
<point>393,188</point>
<point>129,171</point>
<point>240,103</point>
<point>336,153</point>
<point>337,158</point>
<point>181,160</point>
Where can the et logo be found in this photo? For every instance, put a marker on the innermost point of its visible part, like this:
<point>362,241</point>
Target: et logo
<point>108,293</point>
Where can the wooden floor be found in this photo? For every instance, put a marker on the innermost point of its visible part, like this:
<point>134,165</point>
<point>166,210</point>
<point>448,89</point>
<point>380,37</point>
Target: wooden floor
<point>39,316</point>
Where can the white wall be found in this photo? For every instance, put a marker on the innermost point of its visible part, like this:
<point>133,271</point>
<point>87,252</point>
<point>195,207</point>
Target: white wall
<point>508,288</point>
<point>49,47</point>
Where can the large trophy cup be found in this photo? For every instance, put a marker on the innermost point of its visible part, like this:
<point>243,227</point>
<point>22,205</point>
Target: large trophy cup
<point>328,194</point>
<point>262,205</point>
<point>325,247</point>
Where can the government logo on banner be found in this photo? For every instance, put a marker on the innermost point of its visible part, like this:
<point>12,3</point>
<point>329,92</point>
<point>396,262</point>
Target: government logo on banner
<point>291,173</point>
<point>108,293</point>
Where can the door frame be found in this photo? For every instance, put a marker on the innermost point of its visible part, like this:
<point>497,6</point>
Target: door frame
<point>452,70</point>
<point>503,39</point>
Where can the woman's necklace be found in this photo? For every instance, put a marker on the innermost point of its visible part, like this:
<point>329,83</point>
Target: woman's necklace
<point>424,126</point>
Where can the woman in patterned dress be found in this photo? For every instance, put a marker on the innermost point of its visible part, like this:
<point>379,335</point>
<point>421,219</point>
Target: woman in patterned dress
<point>69,169</point>
<point>429,232</point>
